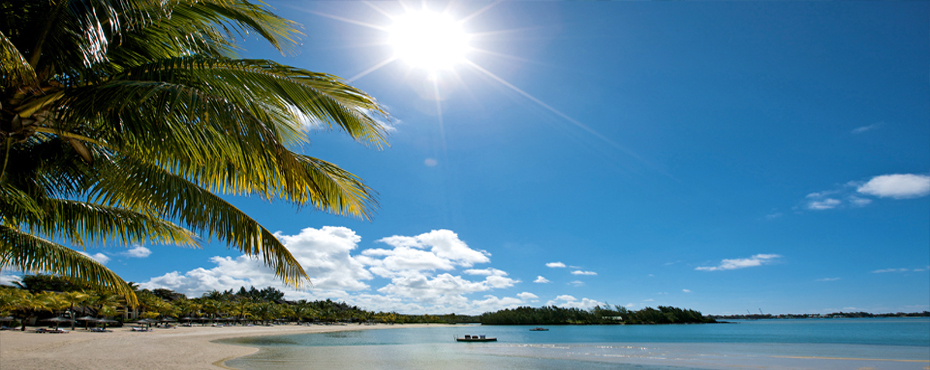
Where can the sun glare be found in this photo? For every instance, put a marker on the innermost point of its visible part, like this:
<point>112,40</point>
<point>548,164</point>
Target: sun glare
<point>428,40</point>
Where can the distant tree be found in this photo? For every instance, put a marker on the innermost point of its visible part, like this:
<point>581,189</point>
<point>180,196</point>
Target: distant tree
<point>42,282</point>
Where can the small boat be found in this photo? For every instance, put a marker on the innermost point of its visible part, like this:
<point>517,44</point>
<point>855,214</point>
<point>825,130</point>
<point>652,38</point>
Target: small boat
<point>475,338</point>
<point>539,329</point>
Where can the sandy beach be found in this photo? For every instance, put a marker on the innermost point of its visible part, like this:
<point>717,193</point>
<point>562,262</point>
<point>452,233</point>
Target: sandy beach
<point>179,348</point>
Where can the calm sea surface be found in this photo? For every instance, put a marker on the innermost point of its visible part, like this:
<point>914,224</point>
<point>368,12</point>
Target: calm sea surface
<point>855,344</point>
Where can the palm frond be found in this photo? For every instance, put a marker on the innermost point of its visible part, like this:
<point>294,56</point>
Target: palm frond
<point>28,253</point>
<point>83,222</point>
<point>138,185</point>
<point>16,204</point>
<point>15,69</point>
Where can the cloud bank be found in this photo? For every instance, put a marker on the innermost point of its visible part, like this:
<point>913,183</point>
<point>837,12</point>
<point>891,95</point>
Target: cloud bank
<point>434,272</point>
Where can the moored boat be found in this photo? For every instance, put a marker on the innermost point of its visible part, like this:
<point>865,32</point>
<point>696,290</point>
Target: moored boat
<point>475,338</point>
<point>539,329</point>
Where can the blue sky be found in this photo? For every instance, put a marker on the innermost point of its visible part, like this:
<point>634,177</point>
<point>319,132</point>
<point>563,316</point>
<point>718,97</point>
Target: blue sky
<point>718,156</point>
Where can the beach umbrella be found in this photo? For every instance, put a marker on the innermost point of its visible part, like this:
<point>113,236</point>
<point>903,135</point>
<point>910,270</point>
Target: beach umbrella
<point>107,321</point>
<point>146,322</point>
<point>86,320</point>
<point>58,320</point>
<point>166,320</point>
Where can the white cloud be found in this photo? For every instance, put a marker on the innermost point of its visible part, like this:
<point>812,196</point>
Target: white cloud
<point>898,186</point>
<point>99,257</point>
<point>890,270</point>
<point>828,203</point>
<point>492,303</point>
<point>527,296</point>
<point>859,130</point>
<point>686,290</point>
<point>421,271</point>
<point>555,265</point>
<point>859,202</point>
<point>579,272</point>
<point>445,244</point>
<point>739,263</point>
<point>486,272</point>
<point>541,280</point>
<point>576,283</point>
<point>9,279</point>
<point>429,162</point>
<point>829,279</point>
<point>567,301</point>
<point>324,254</point>
<point>138,252</point>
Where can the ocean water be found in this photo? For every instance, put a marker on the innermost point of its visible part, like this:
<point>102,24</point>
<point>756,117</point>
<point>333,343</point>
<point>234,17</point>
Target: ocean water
<point>855,344</point>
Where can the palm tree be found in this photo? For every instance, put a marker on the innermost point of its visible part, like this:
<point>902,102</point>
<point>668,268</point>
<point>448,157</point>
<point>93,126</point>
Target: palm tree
<point>120,116</point>
<point>74,298</point>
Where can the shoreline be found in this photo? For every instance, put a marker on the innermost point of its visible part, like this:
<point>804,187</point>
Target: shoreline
<point>179,348</point>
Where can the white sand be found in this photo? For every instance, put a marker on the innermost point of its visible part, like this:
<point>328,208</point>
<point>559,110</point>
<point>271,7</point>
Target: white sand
<point>180,348</point>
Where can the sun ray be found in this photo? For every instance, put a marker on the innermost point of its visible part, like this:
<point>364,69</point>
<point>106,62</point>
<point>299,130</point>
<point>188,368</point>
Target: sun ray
<point>442,129</point>
<point>504,32</point>
<point>372,69</point>
<point>423,37</point>
<point>379,10</point>
<point>506,56</point>
<point>342,19</point>
<point>479,11</point>
<point>560,114</point>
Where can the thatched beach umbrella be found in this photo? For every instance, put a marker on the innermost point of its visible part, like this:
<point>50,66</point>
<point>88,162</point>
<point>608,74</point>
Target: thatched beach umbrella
<point>146,322</point>
<point>87,320</point>
<point>58,320</point>
<point>107,321</point>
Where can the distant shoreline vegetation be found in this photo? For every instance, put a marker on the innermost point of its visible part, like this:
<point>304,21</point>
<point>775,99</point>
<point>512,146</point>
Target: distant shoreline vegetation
<point>37,297</point>
<point>599,315</point>
<point>834,315</point>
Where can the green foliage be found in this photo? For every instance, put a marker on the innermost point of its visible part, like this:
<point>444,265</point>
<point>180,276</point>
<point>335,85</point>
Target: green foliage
<point>42,282</point>
<point>125,121</point>
<point>265,294</point>
<point>552,315</point>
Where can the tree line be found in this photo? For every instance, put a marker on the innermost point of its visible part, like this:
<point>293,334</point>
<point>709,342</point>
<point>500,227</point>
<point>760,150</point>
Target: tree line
<point>599,315</point>
<point>37,297</point>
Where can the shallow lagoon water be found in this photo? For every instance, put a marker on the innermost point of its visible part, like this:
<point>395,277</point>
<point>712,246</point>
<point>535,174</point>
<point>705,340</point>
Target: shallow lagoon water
<point>888,343</point>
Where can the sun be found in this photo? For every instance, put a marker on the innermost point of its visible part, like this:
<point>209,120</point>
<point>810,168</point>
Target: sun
<point>428,40</point>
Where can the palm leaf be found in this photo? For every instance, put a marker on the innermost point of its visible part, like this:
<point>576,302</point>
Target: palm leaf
<point>16,70</point>
<point>28,253</point>
<point>138,185</point>
<point>83,222</point>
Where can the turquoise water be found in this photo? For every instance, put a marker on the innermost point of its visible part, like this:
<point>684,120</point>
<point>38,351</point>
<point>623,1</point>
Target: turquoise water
<point>888,343</point>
